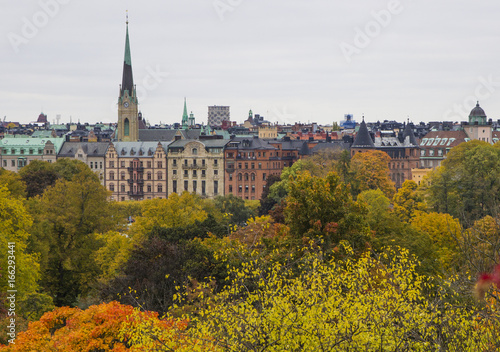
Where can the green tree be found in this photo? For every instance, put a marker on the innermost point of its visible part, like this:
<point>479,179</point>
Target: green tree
<point>467,186</point>
<point>13,182</point>
<point>70,214</point>
<point>38,175</point>
<point>322,209</point>
<point>234,207</point>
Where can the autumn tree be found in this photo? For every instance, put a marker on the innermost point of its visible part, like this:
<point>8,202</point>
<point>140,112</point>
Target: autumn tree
<point>235,208</point>
<point>467,186</point>
<point>68,217</point>
<point>38,175</point>
<point>13,182</point>
<point>407,201</point>
<point>370,170</point>
<point>337,305</point>
<point>322,209</point>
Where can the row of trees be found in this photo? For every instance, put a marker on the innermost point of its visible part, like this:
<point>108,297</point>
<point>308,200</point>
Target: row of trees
<point>338,257</point>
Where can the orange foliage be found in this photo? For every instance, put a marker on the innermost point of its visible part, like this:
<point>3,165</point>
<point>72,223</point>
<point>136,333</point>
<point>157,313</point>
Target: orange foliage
<point>94,329</point>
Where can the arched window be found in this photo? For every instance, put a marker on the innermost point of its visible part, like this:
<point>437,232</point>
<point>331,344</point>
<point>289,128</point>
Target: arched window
<point>126,127</point>
<point>240,176</point>
<point>111,175</point>
<point>246,177</point>
<point>160,176</point>
<point>194,151</point>
<point>112,187</point>
<point>252,177</point>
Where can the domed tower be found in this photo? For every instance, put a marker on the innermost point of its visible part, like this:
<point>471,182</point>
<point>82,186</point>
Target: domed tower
<point>478,127</point>
<point>477,116</point>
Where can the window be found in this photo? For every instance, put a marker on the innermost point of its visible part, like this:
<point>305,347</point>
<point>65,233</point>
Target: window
<point>252,165</point>
<point>160,188</point>
<point>203,173</point>
<point>13,163</point>
<point>91,164</point>
<point>160,164</point>
<point>240,177</point>
<point>185,162</point>
<point>246,177</point>
<point>216,162</point>
<point>253,189</point>
<point>148,187</point>
<point>216,187</point>
<point>5,163</point>
<point>174,186</point>
<point>194,151</point>
<point>431,152</point>
<point>216,172</point>
<point>111,163</point>
<point>122,163</point>
<point>112,187</point>
<point>260,165</point>
<point>422,152</point>
<point>194,173</point>
<point>160,175</point>
<point>195,184</point>
<point>240,189</point>
<point>122,187</point>
<point>174,172</point>
<point>246,165</point>
<point>149,176</point>
<point>202,162</point>
<point>252,177</point>
<point>100,164</point>
<point>239,165</point>
<point>230,188</point>
<point>186,185</point>
<point>22,152</point>
<point>174,162</point>
<point>148,164</point>
<point>126,128</point>
<point>111,175</point>
<point>202,187</point>
<point>246,189</point>
<point>194,162</point>
<point>185,173</point>
<point>264,176</point>
<point>122,176</point>
<point>230,177</point>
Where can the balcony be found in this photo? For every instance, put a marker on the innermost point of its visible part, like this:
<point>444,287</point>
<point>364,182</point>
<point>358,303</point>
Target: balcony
<point>139,182</point>
<point>193,166</point>
<point>138,169</point>
<point>136,194</point>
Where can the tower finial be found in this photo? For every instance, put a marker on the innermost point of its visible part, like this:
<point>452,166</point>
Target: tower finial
<point>126,11</point>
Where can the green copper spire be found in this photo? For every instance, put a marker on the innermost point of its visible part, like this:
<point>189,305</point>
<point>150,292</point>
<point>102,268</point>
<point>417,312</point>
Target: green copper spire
<point>127,79</point>
<point>185,116</point>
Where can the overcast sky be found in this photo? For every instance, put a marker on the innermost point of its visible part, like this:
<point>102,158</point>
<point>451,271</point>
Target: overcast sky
<point>288,60</point>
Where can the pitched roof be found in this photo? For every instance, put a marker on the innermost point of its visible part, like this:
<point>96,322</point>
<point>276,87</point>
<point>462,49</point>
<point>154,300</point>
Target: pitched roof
<point>363,139</point>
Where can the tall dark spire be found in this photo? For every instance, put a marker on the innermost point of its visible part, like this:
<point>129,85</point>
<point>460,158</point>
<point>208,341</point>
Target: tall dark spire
<point>408,132</point>
<point>127,79</point>
<point>363,138</point>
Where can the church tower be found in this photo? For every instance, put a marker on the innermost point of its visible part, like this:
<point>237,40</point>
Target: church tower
<point>128,106</point>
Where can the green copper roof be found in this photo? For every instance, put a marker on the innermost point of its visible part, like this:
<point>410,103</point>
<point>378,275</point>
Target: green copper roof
<point>128,57</point>
<point>185,116</point>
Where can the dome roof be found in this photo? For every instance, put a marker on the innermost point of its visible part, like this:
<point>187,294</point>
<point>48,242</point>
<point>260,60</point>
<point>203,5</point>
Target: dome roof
<point>477,111</point>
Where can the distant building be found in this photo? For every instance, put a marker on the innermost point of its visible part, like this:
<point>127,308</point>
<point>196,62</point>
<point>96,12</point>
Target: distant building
<point>19,151</point>
<point>348,123</point>
<point>91,153</point>
<point>196,166</point>
<point>217,115</point>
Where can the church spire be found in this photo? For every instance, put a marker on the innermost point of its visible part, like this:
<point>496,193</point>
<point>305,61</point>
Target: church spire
<point>185,116</point>
<point>127,79</point>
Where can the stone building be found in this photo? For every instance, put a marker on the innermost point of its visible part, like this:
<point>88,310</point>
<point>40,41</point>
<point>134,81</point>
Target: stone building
<point>196,166</point>
<point>19,151</point>
<point>136,170</point>
<point>91,153</point>
<point>217,115</point>
<point>403,151</point>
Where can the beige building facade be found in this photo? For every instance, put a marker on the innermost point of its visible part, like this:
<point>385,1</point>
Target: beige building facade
<point>136,170</point>
<point>196,166</point>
